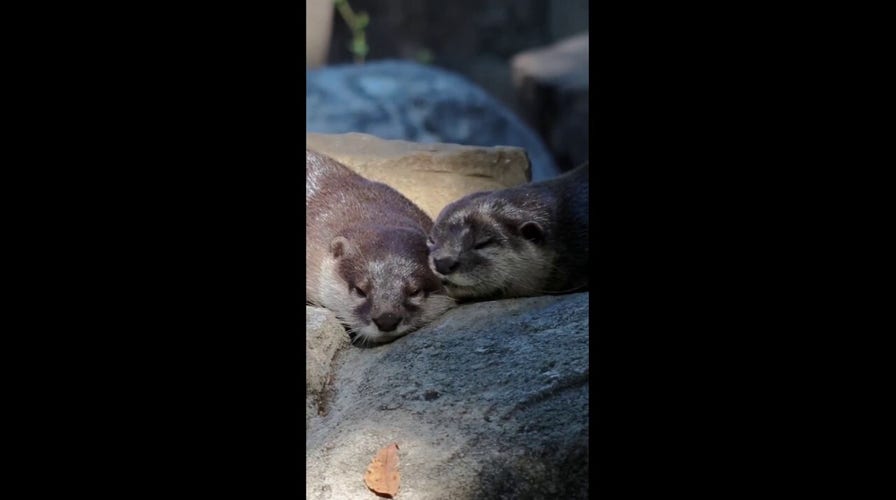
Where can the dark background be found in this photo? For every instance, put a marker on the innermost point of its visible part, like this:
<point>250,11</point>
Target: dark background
<point>163,352</point>
<point>475,38</point>
<point>478,39</point>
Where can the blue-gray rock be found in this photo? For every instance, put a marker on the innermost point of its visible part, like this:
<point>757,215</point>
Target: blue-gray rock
<point>409,101</point>
<point>488,401</point>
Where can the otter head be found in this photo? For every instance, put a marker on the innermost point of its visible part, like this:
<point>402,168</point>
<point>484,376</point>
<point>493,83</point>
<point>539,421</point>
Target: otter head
<point>484,246</point>
<point>383,288</point>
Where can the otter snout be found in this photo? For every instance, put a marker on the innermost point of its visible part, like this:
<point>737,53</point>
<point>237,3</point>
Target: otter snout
<point>387,322</point>
<point>445,265</point>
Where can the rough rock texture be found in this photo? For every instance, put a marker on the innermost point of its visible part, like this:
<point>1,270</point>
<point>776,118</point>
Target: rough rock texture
<point>323,337</point>
<point>489,401</point>
<point>552,91</point>
<point>413,102</point>
<point>430,175</point>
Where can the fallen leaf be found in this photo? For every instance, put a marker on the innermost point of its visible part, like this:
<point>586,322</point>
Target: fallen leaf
<point>382,474</point>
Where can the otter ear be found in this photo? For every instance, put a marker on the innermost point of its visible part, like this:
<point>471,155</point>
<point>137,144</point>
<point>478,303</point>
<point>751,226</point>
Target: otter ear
<point>340,247</point>
<point>532,231</point>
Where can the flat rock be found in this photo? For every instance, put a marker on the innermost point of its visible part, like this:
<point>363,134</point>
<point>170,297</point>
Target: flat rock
<point>414,102</point>
<point>430,175</point>
<point>488,401</point>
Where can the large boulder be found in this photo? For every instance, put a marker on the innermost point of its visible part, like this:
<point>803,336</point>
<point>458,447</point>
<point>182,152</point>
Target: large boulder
<point>488,401</point>
<point>552,90</point>
<point>413,102</point>
<point>430,175</point>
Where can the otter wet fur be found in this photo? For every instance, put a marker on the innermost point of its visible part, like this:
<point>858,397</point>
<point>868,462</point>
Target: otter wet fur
<point>366,254</point>
<point>516,242</point>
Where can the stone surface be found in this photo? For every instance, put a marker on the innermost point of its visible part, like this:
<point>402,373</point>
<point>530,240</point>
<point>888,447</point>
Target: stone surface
<point>552,92</point>
<point>430,175</point>
<point>318,29</point>
<point>324,336</point>
<point>488,401</point>
<point>413,102</point>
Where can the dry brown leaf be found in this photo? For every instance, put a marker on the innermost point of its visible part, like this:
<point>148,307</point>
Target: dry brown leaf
<point>382,474</point>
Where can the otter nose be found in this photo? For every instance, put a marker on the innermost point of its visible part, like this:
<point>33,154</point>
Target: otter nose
<point>446,265</point>
<point>387,322</point>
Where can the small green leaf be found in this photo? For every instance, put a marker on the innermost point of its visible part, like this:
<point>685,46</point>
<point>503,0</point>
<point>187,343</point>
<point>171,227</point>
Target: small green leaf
<point>359,46</point>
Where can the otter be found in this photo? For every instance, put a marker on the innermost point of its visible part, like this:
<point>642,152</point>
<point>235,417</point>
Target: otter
<point>516,242</point>
<point>366,254</point>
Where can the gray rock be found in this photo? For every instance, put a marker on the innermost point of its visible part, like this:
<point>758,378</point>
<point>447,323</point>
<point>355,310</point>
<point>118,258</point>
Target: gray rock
<point>324,335</point>
<point>552,95</point>
<point>409,101</point>
<point>488,401</point>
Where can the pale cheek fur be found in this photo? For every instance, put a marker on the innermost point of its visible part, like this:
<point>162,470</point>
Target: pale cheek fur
<point>432,308</point>
<point>336,297</point>
<point>514,272</point>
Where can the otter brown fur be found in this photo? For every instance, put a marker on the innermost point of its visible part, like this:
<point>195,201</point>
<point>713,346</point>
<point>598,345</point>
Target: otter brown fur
<point>366,253</point>
<point>516,242</point>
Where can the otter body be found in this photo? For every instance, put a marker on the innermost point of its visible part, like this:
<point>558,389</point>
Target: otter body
<point>366,253</point>
<point>516,242</point>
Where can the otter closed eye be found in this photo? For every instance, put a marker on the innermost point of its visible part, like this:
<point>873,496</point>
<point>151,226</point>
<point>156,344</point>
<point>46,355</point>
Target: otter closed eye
<point>482,244</point>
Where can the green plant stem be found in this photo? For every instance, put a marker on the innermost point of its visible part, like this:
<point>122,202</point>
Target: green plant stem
<point>359,42</point>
